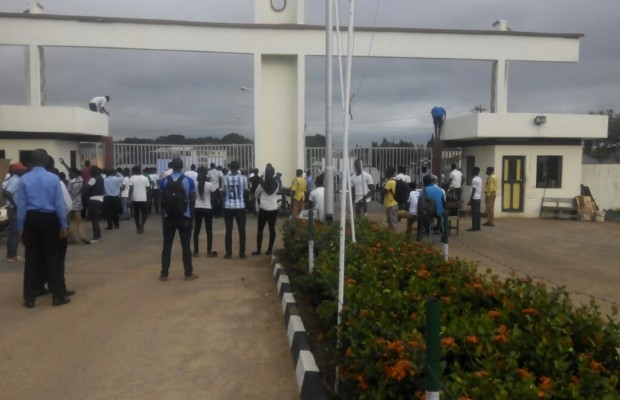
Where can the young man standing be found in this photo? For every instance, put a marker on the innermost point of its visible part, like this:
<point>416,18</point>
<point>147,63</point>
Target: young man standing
<point>317,197</point>
<point>474,200</point>
<point>235,186</point>
<point>456,180</point>
<point>138,187</point>
<point>177,218</point>
<point>10,188</point>
<point>112,185</point>
<point>490,192</point>
<point>298,188</point>
<point>390,203</point>
<point>362,184</point>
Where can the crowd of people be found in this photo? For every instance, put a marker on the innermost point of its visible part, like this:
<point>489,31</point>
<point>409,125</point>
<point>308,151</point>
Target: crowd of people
<point>46,209</point>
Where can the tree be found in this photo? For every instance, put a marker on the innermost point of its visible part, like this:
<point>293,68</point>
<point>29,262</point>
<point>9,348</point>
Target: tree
<point>231,138</point>
<point>391,143</point>
<point>316,141</point>
<point>603,148</point>
<point>478,109</point>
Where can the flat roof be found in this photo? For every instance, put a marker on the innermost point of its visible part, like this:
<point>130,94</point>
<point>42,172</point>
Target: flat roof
<point>300,27</point>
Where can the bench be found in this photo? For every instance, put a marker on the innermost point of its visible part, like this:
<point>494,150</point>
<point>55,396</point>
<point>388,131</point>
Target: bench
<point>559,208</point>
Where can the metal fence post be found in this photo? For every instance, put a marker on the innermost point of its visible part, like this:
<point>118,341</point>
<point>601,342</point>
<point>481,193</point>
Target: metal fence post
<point>432,350</point>
<point>310,240</point>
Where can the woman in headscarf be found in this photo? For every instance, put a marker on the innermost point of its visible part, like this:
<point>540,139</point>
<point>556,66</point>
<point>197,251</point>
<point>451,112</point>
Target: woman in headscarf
<point>268,209</point>
<point>203,211</point>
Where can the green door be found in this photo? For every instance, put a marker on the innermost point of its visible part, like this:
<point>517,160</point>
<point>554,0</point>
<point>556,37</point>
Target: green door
<point>513,179</point>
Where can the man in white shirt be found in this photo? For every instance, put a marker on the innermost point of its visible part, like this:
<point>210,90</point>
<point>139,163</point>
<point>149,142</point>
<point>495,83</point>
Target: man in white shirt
<point>474,200</point>
<point>414,196</point>
<point>402,175</point>
<point>456,182</point>
<point>192,174</point>
<point>362,185</point>
<point>138,185</point>
<point>97,104</point>
<point>317,197</point>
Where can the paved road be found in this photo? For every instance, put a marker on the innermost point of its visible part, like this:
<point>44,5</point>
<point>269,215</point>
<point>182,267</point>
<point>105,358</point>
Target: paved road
<point>126,335</point>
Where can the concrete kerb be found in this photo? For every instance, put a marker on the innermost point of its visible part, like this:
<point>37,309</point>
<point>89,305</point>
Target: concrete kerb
<point>309,380</point>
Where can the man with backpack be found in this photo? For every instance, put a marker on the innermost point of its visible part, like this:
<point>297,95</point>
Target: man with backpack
<point>430,205</point>
<point>178,196</point>
<point>389,199</point>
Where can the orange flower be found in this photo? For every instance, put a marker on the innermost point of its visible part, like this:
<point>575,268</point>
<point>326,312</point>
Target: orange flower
<point>363,313</point>
<point>348,353</point>
<point>447,342</point>
<point>320,337</point>
<point>445,299</point>
<point>413,316</point>
<point>472,339</point>
<point>494,314</point>
<point>361,381</point>
<point>545,383</point>
<point>351,282</point>
<point>523,373</point>
<point>597,366</point>
<point>399,370</point>
<point>476,286</point>
<point>396,346</point>
<point>502,337</point>
<point>481,374</point>
<point>530,311</point>
<point>423,273</point>
<point>541,394</point>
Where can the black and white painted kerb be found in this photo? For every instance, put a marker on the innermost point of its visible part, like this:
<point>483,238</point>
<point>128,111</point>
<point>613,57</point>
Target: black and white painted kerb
<point>308,378</point>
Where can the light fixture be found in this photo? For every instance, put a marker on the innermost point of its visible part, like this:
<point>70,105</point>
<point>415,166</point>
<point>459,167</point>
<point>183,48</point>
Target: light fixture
<point>540,119</point>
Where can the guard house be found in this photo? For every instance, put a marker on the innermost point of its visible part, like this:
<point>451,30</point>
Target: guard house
<point>534,155</point>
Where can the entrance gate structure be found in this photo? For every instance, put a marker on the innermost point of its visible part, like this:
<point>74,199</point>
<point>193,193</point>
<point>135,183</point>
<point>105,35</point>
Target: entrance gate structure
<point>279,41</point>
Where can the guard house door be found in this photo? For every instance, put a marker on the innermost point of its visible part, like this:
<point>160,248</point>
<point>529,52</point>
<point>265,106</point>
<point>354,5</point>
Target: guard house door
<point>513,179</point>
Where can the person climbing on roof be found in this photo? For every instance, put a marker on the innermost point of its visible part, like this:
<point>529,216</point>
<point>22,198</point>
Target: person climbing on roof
<point>439,116</point>
<point>97,104</point>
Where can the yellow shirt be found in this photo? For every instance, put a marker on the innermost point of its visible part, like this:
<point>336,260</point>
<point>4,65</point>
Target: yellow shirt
<point>491,184</point>
<point>388,198</point>
<point>299,188</point>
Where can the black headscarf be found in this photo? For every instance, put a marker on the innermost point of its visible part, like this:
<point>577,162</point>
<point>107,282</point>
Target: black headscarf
<point>269,184</point>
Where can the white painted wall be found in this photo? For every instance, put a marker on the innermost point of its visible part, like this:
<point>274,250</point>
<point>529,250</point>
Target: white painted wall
<point>71,120</point>
<point>55,148</point>
<point>492,156</point>
<point>521,125</point>
<point>604,183</point>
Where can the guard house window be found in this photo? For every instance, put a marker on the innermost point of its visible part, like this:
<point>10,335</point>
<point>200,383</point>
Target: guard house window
<point>549,172</point>
<point>470,163</point>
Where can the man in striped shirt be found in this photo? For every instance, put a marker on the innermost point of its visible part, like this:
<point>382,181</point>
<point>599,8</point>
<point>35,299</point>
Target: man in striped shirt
<point>235,185</point>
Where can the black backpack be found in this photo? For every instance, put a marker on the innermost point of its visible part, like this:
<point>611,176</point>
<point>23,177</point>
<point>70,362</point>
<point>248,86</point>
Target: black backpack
<point>173,197</point>
<point>426,207</point>
<point>402,192</point>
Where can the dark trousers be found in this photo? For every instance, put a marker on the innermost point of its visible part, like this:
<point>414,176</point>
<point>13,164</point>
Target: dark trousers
<point>475,214</point>
<point>93,107</point>
<point>266,217</point>
<point>154,200</point>
<point>170,226</point>
<point>12,240</point>
<point>205,214</point>
<point>41,238</point>
<point>139,213</point>
<point>111,210</point>
<point>361,206</point>
<point>94,213</point>
<point>239,215</point>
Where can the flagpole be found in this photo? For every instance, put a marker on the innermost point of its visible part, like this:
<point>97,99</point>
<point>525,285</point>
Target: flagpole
<point>328,174</point>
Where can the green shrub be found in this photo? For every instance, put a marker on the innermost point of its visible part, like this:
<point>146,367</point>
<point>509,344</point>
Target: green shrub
<point>501,339</point>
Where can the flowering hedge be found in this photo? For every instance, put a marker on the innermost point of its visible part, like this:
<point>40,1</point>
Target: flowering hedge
<point>500,339</point>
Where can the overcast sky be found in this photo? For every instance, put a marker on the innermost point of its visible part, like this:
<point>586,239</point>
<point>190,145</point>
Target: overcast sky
<point>159,93</point>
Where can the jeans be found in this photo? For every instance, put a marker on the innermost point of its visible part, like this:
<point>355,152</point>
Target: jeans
<point>205,214</point>
<point>266,217</point>
<point>12,240</point>
<point>139,213</point>
<point>170,225</point>
<point>125,207</point>
<point>239,215</point>
<point>475,214</point>
<point>94,213</point>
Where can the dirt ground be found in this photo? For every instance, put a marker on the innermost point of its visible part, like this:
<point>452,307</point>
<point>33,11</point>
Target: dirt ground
<point>126,335</point>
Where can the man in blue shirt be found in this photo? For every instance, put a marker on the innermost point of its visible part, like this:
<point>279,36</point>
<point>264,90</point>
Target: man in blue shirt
<point>235,186</point>
<point>439,115</point>
<point>181,223</point>
<point>10,188</point>
<point>42,221</point>
<point>112,186</point>
<point>434,192</point>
